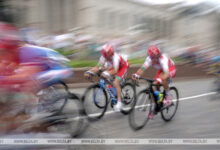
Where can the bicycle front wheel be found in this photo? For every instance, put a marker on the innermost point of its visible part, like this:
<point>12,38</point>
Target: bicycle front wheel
<point>139,115</point>
<point>128,98</point>
<point>168,113</point>
<point>95,102</point>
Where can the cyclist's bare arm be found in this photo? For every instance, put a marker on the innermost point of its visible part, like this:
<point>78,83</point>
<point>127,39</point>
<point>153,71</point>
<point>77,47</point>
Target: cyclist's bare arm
<point>139,73</point>
<point>100,66</point>
<point>95,69</point>
<point>144,67</point>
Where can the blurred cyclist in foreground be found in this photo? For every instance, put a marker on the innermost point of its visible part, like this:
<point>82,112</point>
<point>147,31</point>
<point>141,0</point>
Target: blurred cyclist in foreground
<point>24,63</point>
<point>115,65</point>
<point>26,69</point>
<point>166,69</point>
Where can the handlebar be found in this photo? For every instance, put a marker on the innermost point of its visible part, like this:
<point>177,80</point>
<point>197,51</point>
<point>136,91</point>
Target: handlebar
<point>100,76</point>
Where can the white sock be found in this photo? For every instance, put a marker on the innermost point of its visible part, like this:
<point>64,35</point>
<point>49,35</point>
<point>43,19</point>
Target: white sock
<point>153,107</point>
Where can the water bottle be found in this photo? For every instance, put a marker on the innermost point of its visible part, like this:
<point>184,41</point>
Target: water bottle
<point>160,97</point>
<point>156,93</point>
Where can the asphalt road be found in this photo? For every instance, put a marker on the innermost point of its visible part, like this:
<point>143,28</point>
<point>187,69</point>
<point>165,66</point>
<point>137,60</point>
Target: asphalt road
<point>196,117</point>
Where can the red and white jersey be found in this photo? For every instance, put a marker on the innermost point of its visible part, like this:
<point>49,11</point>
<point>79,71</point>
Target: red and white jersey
<point>164,63</point>
<point>116,62</point>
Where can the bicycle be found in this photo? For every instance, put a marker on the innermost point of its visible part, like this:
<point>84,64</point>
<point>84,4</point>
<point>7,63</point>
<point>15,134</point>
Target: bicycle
<point>59,105</point>
<point>48,91</point>
<point>64,115</point>
<point>61,111</point>
<point>102,95</point>
<point>144,101</point>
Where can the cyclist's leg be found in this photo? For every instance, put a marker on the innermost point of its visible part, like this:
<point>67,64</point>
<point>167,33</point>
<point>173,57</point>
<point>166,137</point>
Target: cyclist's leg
<point>172,74</point>
<point>163,78</point>
<point>120,75</point>
<point>158,79</point>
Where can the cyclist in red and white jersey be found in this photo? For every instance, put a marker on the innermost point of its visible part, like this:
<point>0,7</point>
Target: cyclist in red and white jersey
<point>165,66</point>
<point>114,64</point>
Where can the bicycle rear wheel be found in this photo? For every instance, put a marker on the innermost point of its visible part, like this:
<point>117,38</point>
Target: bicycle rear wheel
<point>139,115</point>
<point>95,102</point>
<point>168,113</point>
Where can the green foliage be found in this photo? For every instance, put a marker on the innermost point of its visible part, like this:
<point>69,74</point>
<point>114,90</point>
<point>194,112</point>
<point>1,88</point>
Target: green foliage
<point>137,60</point>
<point>178,59</point>
<point>65,52</point>
<point>83,63</point>
<point>92,63</point>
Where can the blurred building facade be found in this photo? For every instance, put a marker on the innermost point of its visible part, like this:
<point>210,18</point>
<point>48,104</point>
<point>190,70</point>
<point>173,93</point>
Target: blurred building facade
<point>115,18</point>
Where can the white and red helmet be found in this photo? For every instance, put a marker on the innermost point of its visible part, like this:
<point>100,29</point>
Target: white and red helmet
<point>154,51</point>
<point>108,50</point>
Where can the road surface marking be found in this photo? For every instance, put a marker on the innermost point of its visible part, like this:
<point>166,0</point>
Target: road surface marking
<point>181,99</point>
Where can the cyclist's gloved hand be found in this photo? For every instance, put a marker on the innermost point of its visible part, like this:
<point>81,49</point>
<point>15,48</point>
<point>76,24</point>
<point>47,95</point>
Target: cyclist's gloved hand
<point>88,74</point>
<point>135,76</point>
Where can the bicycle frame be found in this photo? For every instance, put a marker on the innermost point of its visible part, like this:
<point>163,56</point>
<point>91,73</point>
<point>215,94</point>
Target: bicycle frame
<point>104,86</point>
<point>151,90</point>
